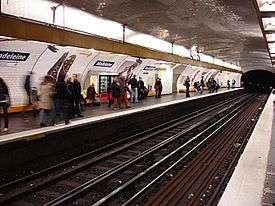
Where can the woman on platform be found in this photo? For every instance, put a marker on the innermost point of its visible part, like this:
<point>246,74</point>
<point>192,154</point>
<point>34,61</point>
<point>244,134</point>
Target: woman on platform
<point>4,103</point>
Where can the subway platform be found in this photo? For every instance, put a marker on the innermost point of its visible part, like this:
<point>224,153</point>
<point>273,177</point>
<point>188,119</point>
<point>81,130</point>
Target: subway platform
<point>19,124</point>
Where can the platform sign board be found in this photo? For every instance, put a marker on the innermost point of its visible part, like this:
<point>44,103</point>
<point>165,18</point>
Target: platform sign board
<point>149,68</point>
<point>13,56</point>
<point>100,63</point>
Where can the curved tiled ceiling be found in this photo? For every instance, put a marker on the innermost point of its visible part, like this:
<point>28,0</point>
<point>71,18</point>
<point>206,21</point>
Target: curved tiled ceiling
<point>226,29</point>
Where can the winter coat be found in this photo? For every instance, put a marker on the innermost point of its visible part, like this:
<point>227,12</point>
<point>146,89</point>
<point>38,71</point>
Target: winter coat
<point>46,96</point>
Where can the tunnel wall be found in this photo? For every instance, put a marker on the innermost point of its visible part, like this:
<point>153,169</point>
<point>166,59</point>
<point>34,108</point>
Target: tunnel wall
<point>258,81</point>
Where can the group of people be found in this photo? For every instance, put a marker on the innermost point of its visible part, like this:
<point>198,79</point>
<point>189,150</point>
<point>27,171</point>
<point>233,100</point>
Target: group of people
<point>118,91</point>
<point>212,85</point>
<point>61,98</point>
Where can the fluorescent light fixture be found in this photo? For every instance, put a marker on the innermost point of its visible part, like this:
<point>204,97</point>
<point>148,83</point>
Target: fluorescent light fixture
<point>80,20</point>
<point>270,37</point>
<point>266,5</point>
<point>269,23</point>
<point>271,45</point>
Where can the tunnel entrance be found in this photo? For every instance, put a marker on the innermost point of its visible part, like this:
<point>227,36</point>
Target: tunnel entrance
<point>258,81</point>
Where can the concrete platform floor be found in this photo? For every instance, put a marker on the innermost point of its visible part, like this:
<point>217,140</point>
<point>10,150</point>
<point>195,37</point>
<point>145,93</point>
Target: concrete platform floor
<point>18,124</point>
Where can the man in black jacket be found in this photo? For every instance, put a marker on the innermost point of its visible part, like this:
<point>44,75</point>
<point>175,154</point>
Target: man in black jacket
<point>134,89</point>
<point>77,96</point>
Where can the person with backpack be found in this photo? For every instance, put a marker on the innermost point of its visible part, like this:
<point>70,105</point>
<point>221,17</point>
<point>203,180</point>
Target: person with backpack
<point>4,103</point>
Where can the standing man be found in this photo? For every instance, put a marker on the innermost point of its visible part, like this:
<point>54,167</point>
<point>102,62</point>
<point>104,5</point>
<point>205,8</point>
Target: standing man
<point>233,83</point>
<point>134,89</point>
<point>187,85</point>
<point>158,88</point>
<point>202,85</point>
<point>228,84</point>
<point>77,96</point>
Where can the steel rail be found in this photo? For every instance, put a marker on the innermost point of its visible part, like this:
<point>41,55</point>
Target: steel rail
<point>197,114</point>
<point>110,146</point>
<point>104,199</point>
<point>72,195</point>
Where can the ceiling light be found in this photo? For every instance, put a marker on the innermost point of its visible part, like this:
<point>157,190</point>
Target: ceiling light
<point>267,5</point>
<point>270,37</point>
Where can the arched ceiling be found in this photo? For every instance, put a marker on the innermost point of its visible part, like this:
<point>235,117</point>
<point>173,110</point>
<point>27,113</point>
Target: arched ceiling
<point>226,29</point>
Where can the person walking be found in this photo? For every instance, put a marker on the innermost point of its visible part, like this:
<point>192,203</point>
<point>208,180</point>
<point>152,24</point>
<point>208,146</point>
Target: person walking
<point>134,89</point>
<point>187,85</point>
<point>4,103</point>
<point>46,102</point>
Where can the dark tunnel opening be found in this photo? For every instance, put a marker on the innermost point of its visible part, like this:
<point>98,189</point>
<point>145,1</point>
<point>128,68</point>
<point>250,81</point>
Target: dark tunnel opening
<point>258,81</point>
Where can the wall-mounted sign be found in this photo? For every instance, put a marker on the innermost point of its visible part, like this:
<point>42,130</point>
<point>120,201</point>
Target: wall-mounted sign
<point>149,68</point>
<point>13,56</point>
<point>100,63</point>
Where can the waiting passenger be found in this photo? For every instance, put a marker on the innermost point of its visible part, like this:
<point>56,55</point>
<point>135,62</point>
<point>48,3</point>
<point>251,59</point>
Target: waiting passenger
<point>77,96</point>
<point>211,84</point>
<point>46,102</point>
<point>158,88</point>
<point>202,85</point>
<point>124,89</point>
<point>187,85</point>
<point>228,84</point>
<point>31,95</point>
<point>141,89</point>
<point>90,98</point>
<point>233,83</point>
<point>197,87</point>
<point>109,93</point>
<point>4,103</point>
<point>134,89</point>
<point>116,94</point>
<point>62,101</point>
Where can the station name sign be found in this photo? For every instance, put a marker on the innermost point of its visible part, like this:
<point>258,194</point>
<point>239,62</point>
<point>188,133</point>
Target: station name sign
<point>149,68</point>
<point>13,56</point>
<point>100,63</point>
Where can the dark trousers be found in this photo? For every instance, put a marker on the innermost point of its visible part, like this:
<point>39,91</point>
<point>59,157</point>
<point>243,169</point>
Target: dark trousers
<point>4,108</point>
<point>187,92</point>
<point>76,107</point>
<point>61,109</point>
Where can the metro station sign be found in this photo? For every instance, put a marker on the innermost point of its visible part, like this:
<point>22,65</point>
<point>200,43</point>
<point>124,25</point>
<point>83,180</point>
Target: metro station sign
<point>100,63</point>
<point>13,56</point>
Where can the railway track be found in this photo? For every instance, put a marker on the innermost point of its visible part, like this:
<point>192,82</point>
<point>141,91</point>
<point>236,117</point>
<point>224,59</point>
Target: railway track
<point>116,177</point>
<point>203,181</point>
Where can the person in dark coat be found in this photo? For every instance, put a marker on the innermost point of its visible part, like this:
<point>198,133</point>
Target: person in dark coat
<point>158,88</point>
<point>109,93</point>
<point>116,93</point>
<point>77,96</point>
<point>187,85</point>
<point>4,103</point>
<point>202,85</point>
<point>91,94</point>
<point>134,89</point>
<point>62,101</point>
<point>141,88</point>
